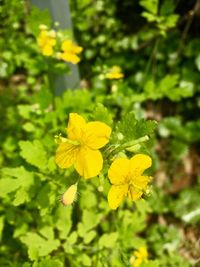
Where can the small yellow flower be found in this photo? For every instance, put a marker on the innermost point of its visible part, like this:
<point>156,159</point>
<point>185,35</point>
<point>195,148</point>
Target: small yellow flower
<point>127,180</point>
<point>46,41</point>
<point>114,73</point>
<point>70,51</point>
<point>140,256</point>
<point>81,149</point>
<point>70,195</point>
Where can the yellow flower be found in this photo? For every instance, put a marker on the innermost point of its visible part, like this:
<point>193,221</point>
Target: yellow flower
<point>70,195</point>
<point>127,180</point>
<point>140,256</point>
<point>81,149</point>
<point>46,41</point>
<point>114,73</point>
<point>70,51</point>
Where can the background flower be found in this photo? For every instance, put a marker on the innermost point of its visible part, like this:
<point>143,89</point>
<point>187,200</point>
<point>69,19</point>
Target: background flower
<point>114,73</point>
<point>70,52</point>
<point>46,41</point>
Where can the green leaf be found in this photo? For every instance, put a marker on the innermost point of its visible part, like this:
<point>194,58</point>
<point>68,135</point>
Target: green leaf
<point>90,219</point>
<point>29,127</point>
<point>72,238</point>
<point>1,226</point>
<point>37,17</point>
<point>26,264</point>
<point>89,236</point>
<point>34,153</point>
<point>21,197</point>
<point>38,246</point>
<point>150,17</point>
<point>108,240</point>
<point>132,129</point>
<point>170,125</point>
<point>8,185</point>
<point>81,230</point>
<point>190,198</point>
<point>23,180</point>
<point>85,260</point>
<point>88,199</point>
<point>24,111</point>
<point>102,114</point>
<point>150,5</point>
<point>151,263</point>
<point>51,164</point>
<point>151,90</point>
<point>178,149</point>
<point>167,84</point>
<point>49,263</point>
<point>167,7</point>
<point>63,221</point>
<point>197,62</point>
<point>47,232</point>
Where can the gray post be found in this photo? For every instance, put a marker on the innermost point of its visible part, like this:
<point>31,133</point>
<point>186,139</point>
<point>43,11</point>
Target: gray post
<point>60,12</point>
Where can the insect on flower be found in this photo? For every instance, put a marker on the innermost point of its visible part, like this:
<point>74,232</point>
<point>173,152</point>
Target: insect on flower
<point>69,196</point>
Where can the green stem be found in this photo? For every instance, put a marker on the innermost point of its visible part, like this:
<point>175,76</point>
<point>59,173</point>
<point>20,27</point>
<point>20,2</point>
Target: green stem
<point>135,142</point>
<point>129,144</point>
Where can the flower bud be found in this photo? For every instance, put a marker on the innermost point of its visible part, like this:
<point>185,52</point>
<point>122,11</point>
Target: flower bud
<point>70,195</point>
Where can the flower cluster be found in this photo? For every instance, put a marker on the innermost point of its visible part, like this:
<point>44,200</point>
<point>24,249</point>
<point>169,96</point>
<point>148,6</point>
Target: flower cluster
<point>70,52</point>
<point>81,149</point>
<point>46,41</point>
<point>55,44</point>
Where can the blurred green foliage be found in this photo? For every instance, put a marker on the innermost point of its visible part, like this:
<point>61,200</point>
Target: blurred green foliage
<point>157,48</point>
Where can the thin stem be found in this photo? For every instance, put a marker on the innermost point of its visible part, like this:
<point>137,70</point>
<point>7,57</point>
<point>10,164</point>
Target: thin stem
<point>188,25</point>
<point>150,61</point>
<point>119,148</point>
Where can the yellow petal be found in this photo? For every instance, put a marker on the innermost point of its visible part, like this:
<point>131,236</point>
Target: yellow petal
<point>139,163</point>
<point>76,126</point>
<point>141,182</point>
<point>116,194</point>
<point>66,45</point>
<point>51,41</point>
<point>47,50</point>
<point>114,75</point>
<point>70,57</point>
<point>137,262</point>
<point>97,134</point>
<point>118,172</point>
<point>74,59</point>
<point>134,194</point>
<point>77,49</point>
<point>89,162</point>
<point>143,252</point>
<point>66,155</point>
